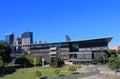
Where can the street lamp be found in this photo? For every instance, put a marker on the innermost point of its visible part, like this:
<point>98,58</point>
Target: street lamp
<point>29,52</point>
<point>42,62</point>
<point>34,62</point>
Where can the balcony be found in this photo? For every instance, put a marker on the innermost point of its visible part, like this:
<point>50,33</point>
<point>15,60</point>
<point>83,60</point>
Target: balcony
<point>75,59</point>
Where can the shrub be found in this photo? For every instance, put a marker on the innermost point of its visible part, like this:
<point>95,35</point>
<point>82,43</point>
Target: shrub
<point>28,60</point>
<point>32,57</point>
<point>57,71</point>
<point>72,68</point>
<point>37,73</point>
<point>22,61</point>
<point>56,62</point>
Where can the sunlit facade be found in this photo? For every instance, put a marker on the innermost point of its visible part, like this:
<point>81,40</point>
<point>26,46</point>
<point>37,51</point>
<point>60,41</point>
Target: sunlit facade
<point>71,51</point>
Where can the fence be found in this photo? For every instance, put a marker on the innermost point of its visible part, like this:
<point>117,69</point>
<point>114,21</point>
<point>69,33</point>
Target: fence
<point>76,76</point>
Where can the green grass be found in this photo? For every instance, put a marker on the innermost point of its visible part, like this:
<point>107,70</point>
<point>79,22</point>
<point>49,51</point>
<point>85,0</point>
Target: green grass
<point>28,73</point>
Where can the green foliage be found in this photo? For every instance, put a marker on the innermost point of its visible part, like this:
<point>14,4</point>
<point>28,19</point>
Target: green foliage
<point>1,62</point>
<point>31,59</point>
<point>28,60</point>
<point>56,62</point>
<point>113,53</point>
<point>114,63</point>
<point>57,71</point>
<point>22,61</point>
<point>5,51</point>
<point>37,73</point>
<point>100,57</point>
<point>72,68</point>
<point>114,60</point>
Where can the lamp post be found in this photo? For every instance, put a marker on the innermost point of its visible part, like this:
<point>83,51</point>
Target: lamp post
<point>29,52</point>
<point>42,62</point>
<point>34,62</point>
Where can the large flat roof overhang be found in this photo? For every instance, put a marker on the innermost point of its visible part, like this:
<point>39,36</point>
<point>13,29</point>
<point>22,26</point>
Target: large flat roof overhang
<point>106,39</point>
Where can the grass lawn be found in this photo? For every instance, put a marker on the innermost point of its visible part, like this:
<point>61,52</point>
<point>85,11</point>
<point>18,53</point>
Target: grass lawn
<point>28,73</point>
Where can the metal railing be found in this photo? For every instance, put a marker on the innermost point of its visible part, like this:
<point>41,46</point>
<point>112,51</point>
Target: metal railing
<point>76,76</point>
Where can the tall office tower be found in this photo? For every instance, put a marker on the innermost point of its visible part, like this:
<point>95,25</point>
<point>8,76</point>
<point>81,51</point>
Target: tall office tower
<point>9,38</point>
<point>27,39</point>
<point>17,44</point>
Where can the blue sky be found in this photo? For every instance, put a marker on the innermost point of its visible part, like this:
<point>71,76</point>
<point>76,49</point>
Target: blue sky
<point>51,20</point>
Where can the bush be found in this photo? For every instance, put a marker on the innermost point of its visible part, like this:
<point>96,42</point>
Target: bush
<point>32,57</point>
<point>56,62</point>
<point>28,60</point>
<point>22,61</point>
<point>37,73</point>
<point>72,68</point>
<point>57,71</point>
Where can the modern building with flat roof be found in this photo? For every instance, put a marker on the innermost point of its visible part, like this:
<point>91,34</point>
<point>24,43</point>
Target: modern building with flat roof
<point>71,51</point>
<point>9,38</point>
<point>26,39</point>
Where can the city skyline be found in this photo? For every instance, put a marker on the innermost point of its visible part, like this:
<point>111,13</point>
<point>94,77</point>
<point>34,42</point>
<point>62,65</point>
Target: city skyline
<point>51,20</point>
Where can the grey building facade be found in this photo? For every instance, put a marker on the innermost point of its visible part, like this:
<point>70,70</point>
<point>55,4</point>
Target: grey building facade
<point>9,38</point>
<point>17,44</point>
<point>26,39</point>
<point>71,51</point>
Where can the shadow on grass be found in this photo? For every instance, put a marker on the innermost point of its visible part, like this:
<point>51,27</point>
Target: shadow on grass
<point>43,78</point>
<point>1,75</point>
<point>75,73</point>
<point>7,70</point>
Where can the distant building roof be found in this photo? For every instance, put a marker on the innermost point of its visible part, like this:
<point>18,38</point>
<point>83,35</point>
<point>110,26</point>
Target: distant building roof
<point>26,34</point>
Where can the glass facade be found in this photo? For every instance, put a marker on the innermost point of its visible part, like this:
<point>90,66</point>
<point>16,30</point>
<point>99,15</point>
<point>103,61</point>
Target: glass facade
<point>40,46</point>
<point>9,38</point>
<point>74,47</point>
<point>27,38</point>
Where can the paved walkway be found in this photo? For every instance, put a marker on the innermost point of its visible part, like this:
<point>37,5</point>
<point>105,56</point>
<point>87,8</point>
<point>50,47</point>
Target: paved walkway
<point>106,70</point>
<point>101,76</point>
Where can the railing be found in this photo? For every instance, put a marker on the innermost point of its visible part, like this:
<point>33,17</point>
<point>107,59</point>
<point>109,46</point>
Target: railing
<point>76,76</point>
<point>87,59</point>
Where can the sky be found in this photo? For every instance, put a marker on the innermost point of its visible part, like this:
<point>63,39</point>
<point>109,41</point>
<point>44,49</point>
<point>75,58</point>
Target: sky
<point>51,20</point>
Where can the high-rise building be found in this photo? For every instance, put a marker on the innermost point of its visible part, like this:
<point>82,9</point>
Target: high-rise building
<point>9,38</point>
<point>27,38</point>
<point>17,44</point>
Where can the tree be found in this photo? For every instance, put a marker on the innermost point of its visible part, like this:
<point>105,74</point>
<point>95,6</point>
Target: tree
<point>56,62</point>
<point>114,63</point>
<point>1,62</point>
<point>28,60</point>
<point>57,71</point>
<point>5,51</point>
<point>32,57</point>
<point>112,53</point>
<point>72,68</point>
<point>22,61</point>
<point>100,57</point>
